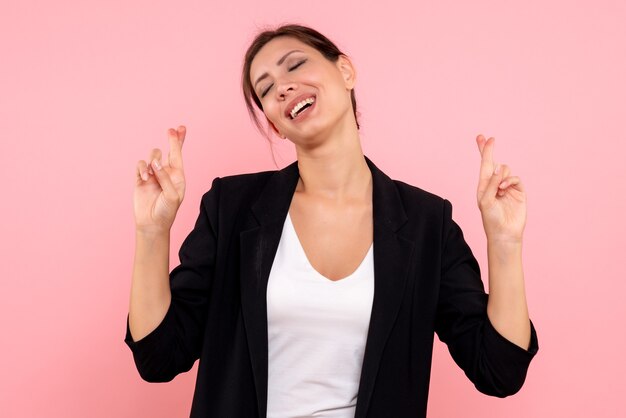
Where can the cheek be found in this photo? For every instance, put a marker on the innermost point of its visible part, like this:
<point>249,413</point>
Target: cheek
<point>269,110</point>
<point>272,115</point>
<point>331,82</point>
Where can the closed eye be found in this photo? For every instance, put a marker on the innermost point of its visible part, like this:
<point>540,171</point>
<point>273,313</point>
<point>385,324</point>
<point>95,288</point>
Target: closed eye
<point>290,69</point>
<point>266,90</point>
<point>297,65</point>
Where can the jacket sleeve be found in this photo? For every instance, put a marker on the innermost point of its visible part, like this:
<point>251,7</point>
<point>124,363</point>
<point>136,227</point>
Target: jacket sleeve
<point>494,364</point>
<point>175,344</point>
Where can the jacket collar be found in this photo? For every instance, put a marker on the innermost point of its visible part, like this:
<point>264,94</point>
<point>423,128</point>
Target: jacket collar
<point>260,242</point>
<point>273,203</point>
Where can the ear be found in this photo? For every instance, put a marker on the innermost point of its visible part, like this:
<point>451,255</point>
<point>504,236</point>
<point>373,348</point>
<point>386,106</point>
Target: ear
<point>347,71</point>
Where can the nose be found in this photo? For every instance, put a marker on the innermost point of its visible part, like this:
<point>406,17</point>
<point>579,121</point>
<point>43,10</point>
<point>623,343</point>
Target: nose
<point>285,87</point>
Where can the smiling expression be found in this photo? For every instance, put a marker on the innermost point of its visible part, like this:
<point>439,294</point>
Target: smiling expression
<point>303,94</point>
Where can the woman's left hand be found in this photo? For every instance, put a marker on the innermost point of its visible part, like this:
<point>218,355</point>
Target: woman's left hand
<point>501,197</point>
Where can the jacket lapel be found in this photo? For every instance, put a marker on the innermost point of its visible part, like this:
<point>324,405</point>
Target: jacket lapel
<point>391,260</point>
<point>259,243</point>
<point>258,248</point>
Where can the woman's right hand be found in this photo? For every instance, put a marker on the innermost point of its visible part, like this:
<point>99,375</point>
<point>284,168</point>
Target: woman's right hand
<point>160,186</point>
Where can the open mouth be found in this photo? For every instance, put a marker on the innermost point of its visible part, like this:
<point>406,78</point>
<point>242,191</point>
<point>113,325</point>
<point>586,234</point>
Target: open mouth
<point>301,107</point>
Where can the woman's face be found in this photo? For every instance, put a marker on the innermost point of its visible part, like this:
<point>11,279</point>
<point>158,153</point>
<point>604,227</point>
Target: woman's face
<point>303,94</point>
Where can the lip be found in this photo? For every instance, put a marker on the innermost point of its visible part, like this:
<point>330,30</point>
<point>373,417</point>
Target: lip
<point>295,101</point>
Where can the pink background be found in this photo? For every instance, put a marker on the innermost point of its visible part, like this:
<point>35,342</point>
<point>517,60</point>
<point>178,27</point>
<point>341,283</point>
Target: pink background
<point>87,88</point>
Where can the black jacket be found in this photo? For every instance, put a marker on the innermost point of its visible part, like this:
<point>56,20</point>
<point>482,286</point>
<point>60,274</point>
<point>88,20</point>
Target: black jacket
<point>426,280</point>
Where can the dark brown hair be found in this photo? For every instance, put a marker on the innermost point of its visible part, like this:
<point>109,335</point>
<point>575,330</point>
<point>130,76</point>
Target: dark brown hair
<point>305,35</point>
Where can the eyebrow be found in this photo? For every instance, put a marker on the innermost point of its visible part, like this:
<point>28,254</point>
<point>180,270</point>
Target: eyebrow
<point>279,62</point>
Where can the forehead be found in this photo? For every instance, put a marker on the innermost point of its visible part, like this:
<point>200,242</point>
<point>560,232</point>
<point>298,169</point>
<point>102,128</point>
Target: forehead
<point>268,56</point>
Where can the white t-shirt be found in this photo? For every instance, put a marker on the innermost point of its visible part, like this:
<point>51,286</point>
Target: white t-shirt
<point>317,329</point>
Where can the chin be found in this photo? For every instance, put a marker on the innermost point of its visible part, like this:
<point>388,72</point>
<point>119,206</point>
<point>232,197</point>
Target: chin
<point>318,128</point>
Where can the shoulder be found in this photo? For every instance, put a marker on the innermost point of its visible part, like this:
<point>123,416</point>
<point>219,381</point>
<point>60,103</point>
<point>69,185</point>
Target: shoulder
<point>414,200</point>
<point>422,203</point>
<point>428,215</point>
<point>237,188</point>
<point>413,194</point>
<point>247,181</point>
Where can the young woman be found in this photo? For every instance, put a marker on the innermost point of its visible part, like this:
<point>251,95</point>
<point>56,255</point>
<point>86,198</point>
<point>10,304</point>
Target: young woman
<point>316,290</point>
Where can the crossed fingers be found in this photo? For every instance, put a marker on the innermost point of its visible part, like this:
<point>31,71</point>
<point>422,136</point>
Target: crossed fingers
<point>494,178</point>
<point>176,139</point>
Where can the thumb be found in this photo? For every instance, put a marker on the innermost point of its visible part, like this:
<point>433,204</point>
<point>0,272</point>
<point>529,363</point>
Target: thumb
<point>162,176</point>
<point>492,187</point>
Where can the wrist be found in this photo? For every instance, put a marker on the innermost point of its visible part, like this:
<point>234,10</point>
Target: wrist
<point>504,251</point>
<point>152,232</point>
<point>504,240</point>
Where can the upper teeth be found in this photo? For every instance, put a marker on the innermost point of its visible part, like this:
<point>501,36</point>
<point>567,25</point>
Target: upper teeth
<point>299,106</point>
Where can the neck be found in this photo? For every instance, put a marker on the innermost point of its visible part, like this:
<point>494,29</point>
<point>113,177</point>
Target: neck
<point>336,169</point>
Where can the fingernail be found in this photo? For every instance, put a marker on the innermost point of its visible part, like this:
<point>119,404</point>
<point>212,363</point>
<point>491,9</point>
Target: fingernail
<point>497,169</point>
<point>144,176</point>
<point>156,164</point>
